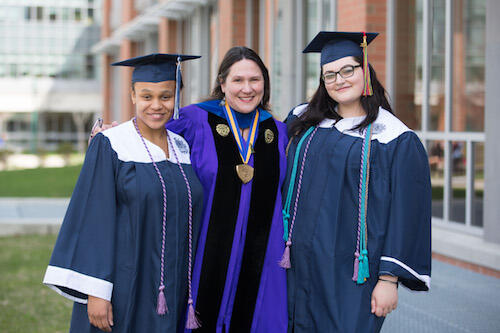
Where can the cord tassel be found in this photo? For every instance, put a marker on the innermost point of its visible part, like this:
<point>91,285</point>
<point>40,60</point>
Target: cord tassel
<point>161,308</point>
<point>356,267</point>
<point>192,321</point>
<point>285,259</point>
<point>364,272</point>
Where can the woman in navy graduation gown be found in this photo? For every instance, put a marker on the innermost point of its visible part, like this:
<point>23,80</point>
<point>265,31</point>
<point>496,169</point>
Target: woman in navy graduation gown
<point>238,152</point>
<point>124,250</point>
<point>357,201</point>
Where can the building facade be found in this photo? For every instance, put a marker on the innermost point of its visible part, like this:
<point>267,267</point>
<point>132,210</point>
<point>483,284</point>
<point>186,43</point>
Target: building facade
<point>48,77</point>
<point>438,60</point>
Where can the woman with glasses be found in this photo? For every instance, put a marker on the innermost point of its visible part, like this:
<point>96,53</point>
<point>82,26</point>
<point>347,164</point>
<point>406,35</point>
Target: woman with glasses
<point>357,201</point>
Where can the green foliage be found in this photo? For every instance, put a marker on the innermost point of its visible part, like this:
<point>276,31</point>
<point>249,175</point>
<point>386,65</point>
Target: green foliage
<point>4,153</point>
<point>26,305</point>
<point>41,182</point>
<point>65,149</point>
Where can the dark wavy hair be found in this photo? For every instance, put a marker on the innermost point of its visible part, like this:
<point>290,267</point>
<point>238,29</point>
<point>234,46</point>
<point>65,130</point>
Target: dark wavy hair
<point>323,106</point>
<point>232,56</point>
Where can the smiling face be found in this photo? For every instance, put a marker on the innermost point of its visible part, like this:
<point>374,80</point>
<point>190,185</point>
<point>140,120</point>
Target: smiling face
<point>244,86</point>
<point>345,91</point>
<point>154,103</point>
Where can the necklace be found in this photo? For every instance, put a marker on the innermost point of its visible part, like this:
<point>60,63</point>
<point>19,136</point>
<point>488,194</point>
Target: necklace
<point>244,171</point>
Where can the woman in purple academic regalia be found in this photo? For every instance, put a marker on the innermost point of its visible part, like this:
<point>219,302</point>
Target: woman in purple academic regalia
<point>238,153</point>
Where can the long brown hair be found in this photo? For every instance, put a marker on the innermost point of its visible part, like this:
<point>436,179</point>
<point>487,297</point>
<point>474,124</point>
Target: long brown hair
<point>322,106</point>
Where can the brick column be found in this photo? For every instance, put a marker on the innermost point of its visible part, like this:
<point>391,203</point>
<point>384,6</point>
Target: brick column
<point>167,36</point>
<point>126,51</point>
<point>127,111</point>
<point>232,22</point>
<point>105,62</point>
<point>366,15</point>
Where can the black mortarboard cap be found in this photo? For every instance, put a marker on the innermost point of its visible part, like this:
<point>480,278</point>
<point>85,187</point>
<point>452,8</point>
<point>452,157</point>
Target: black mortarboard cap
<point>158,67</point>
<point>334,45</point>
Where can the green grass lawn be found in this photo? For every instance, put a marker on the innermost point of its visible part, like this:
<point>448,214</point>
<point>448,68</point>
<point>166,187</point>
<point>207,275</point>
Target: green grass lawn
<point>41,182</point>
<point>26,305</point>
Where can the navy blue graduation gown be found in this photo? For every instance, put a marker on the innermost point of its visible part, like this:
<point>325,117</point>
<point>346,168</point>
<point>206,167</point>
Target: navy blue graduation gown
<point>109,245</point>
<point>322,297</point>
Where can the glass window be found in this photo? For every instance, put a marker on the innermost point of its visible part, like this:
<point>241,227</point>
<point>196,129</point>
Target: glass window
<point>27,13</point>
<point>52,14</point>
<point>326,12</point>
<point>89,66</point>
<point>90,15</point>
<point>78,14</point>
<point>39,13</point>
<point>458,181</point>
<point>312,59</point>
<point>469,62</point>
<point>435,150</point>
<point>12,70</point>
<point>478,192</point>
<point>65,14</point>
<point>437,89</point>
<point>408,62</point>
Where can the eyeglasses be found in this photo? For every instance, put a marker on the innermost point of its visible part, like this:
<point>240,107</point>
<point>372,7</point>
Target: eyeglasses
<point>344,72</point>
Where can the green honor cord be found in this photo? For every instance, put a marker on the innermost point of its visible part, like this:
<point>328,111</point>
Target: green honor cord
<point>291,185</point>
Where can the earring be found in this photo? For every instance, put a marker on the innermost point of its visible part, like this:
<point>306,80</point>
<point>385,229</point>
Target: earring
<point>223,100</point>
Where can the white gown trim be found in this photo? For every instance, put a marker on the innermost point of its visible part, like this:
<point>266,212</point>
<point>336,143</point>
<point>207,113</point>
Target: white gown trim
<point>385,128</point>
<point>85,284</point>
<point>424,278</point>
<point>128,145</point>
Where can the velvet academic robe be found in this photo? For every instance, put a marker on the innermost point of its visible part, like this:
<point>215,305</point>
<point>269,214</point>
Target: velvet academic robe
<point>237,284</point>
<point>110,242</point>
<point>322,297</point>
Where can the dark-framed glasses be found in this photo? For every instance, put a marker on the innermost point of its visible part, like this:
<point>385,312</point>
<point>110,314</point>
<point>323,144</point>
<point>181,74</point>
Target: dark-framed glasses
<point>345,72</point>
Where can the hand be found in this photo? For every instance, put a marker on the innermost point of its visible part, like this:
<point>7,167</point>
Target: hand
<point>99,127</point>
<point>100,313</point>
<point>385,296</point>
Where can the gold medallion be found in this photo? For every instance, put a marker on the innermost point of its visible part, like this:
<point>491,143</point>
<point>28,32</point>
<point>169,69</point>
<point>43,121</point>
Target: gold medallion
<point>268,136</point>
<point>222,129</point>
<point>245,172</point>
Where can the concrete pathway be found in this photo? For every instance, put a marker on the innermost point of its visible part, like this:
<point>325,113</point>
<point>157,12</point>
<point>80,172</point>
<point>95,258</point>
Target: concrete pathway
<point>31,215</point>
<point>459,301</point>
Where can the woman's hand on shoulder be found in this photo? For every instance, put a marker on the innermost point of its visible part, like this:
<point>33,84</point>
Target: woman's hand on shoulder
<point>100,313</point>
<point>99,127</point>
<point>385,295</point>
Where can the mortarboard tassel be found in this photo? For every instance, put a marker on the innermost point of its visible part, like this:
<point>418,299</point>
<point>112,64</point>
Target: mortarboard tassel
<point>177,88</point>
<point>367,89</point>
<point>192,322</point>
<point>161,307</point>
<point>285,259</point>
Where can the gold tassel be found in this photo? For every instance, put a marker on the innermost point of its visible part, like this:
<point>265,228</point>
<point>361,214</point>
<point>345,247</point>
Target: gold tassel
<point>367,89</point>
